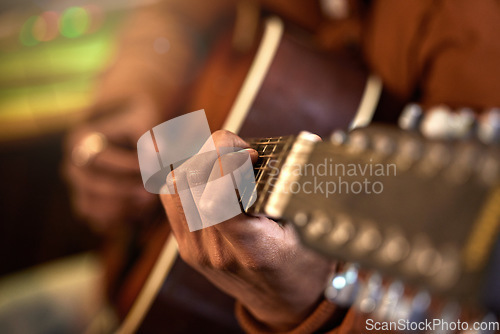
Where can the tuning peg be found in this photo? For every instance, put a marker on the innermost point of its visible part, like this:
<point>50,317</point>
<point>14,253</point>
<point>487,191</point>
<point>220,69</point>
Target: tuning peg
<point>395,248</point>
<point>462,167</point>
<point>301,219</point>
<point>437,156</point>
<point>358,142</point>
<point>342,231</point>
<point>463,122</point>
<point>428,261</point>
<point>370,295</point>
<point>383,145</point>
<point>489,169</point>
<point>409,152</point>
<point>318,226</point>
<point>367,239</point>
<point>489,127</point>
<point>390,300</point>
<point>441,266</point>
<point>410,117</point>
<point>344,286</point>
<point>437,123</point>
<point>338,137</point>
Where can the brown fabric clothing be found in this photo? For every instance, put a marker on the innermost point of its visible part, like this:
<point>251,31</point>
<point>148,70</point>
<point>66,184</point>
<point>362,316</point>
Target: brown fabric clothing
<point>438,52</point>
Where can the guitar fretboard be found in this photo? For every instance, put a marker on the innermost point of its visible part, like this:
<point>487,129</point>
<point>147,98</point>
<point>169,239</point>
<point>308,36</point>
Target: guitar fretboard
<point>272,153</point>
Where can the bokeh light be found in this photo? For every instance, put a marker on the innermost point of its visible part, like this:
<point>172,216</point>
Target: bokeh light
<point>45,26</point>
<point>26,36</point>
<point>96,15</point>
<point>74,22</point>
<point>339,282</point>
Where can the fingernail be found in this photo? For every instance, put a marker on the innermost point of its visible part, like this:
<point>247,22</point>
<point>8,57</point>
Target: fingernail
<point>253,153</point>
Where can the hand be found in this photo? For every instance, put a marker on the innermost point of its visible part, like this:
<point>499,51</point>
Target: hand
<point>254,259</point>
<point>106,184</point>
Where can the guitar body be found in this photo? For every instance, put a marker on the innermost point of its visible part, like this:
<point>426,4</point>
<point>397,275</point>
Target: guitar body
<point>302,89</point>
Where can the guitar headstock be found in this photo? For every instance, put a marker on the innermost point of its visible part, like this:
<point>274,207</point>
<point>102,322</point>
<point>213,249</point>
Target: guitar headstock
<point>424,211</point>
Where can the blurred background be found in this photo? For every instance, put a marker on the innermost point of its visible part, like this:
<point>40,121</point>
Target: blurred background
<point>51,54</point>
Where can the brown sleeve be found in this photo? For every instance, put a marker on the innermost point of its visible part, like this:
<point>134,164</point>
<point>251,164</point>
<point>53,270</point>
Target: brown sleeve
<point>437,51</point>
<point>327,318</point>
<point>324,317</point>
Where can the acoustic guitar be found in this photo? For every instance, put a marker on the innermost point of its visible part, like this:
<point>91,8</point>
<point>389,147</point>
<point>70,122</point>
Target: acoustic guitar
<point>424,225</point>
<point>419,237</point>
<point>283,84</point>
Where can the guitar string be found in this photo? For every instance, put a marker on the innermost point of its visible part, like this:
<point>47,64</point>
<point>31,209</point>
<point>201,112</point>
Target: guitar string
<point>267,185</point>
<point>278,147</point>
<point>263,164</point>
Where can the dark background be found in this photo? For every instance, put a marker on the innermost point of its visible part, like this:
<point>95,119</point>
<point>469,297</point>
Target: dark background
<point>36,221</point>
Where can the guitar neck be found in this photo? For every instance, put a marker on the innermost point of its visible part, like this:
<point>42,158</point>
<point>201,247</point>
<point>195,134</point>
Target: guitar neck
<point>420,210</point>
<point>272,153</point>
<point>275,154</point>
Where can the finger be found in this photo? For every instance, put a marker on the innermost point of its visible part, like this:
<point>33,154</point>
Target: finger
<point>233,162</point>
<point>105,209</point>
<point>103,184</point>
<point>118,160</point>
<point>97,209</point>
<point>176,217</point>
<point>188,182</point>
<point>196,170</point>
<point>230,177</point>
<point>100,154</point>
<point>98,196</point>
<point>183,190</point>
<point>119,131</point>
<point>124,120</point>
<point>224,138</point>
<point>202,168</point>
<point>239,166</point>
<point>200,174</point>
